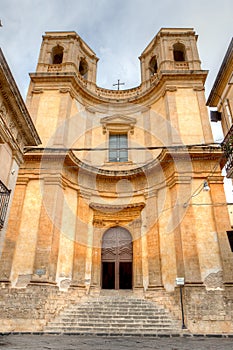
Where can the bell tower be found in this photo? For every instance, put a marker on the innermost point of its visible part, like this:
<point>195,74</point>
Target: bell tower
<point>172,49</point>
<point>65,66</point>
<point>67,52</point>
<point>171,68</point>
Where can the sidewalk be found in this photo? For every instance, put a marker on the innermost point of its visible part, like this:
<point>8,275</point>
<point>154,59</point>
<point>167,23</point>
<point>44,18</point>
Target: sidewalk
<point>76,342</point>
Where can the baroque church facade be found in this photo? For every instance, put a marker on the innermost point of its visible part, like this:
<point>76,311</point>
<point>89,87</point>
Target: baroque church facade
<point>124,192</point>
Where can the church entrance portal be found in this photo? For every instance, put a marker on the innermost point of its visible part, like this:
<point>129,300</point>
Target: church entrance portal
<point>117,256</point>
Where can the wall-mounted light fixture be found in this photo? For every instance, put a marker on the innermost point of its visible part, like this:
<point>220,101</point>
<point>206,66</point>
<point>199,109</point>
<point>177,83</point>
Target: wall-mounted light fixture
<point>206,187</point>
<point>202,187</point>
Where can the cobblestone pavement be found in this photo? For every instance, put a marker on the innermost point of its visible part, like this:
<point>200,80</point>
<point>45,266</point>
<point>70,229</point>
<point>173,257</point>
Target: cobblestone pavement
<point>71,342</point>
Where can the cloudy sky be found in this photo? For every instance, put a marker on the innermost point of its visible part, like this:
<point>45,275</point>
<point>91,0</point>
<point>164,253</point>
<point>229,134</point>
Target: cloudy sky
<point>117,30</point>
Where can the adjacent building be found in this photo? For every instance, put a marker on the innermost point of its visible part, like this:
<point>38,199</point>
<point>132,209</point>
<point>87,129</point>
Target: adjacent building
<point>221,98</point>
<point>16,132</point>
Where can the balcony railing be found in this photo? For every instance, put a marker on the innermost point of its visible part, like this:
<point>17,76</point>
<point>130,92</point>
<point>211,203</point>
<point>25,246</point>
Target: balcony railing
<point>4,200</point>
<point>227,147</point>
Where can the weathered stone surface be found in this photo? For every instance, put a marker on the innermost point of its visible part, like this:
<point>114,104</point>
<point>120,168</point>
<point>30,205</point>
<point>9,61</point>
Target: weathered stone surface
<point>69,192</point>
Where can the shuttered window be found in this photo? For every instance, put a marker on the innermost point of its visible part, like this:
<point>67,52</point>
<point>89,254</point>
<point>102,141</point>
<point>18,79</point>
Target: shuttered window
<point>118,144</point>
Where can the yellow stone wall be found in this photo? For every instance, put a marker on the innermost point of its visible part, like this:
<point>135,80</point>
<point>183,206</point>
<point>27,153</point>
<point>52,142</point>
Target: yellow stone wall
<point>24,255</point>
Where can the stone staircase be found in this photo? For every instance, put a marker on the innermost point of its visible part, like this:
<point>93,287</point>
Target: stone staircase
<point>115,315</point>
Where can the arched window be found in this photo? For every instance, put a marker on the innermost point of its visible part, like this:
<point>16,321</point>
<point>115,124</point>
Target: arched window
<point>153,66</point>
<point>83,68</point>
<point>57,55</point>
<point>179,52</point>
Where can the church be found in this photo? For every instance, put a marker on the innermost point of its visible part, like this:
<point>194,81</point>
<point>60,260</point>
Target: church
<point>118,190</point>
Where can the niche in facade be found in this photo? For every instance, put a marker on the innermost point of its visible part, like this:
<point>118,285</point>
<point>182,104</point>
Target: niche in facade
<point>179,52</point>
<point>57,54</point>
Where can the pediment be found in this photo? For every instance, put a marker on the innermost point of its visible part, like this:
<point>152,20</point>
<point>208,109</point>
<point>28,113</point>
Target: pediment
<point>118,123</point>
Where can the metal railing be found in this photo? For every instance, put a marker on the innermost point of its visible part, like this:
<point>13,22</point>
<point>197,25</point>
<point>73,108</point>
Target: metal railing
<point>4,200</point>
<point>227,147</point>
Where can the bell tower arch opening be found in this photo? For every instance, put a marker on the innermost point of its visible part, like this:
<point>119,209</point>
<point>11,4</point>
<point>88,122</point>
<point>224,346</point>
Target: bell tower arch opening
<point>179,52</point>
<point>153,65</point>
<point>117,259</point>
<point>57,55</point>
<point>83,68</point>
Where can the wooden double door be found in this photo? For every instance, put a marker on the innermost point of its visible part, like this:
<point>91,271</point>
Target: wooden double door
<point>117,259</point>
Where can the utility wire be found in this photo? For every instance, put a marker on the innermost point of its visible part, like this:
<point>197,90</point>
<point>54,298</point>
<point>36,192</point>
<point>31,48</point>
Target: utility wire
<point>91,149</point>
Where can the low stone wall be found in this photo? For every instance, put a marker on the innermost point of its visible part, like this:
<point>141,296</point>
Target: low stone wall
<point>29,309</point>
<point>209,311</point>
<point>205,311</point>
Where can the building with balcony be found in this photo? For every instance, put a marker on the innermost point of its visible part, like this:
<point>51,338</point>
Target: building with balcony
<point>16,132</point>
<point>221,98</point>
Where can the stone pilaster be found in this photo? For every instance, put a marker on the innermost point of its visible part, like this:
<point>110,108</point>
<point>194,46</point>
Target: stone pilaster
<point>222,223</point>
<point>49,229</point>
<point>61,135</point>
<point>172,115</point>
<point>96,258</point>
<point>80,245</point>
<point>12,233</point>
<point>25,248</point>
<point>137,254</point>
<point>153,244</point>
<point>208,137</point>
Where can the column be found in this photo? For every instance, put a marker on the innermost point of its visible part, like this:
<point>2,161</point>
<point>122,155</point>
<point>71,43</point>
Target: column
<point>12,232</point>
<point>135,227</point>
<point>88,267</point>
<point>153,244</point>
<point>61,135</point>
<point>67,239</point>
<point>80,245</point>
<point>188,236</point>
<point>175,228</point>
<point>96,258</point>
<point>49,230</point>
<point>222,223</point>
<point>25,248</point>
<point>206,129</point>
<point>172,116</point>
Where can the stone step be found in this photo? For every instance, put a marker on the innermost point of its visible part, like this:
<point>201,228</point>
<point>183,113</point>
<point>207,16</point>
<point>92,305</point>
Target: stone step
<point>109,330</point>
<point>112,325</point>
<point>106,315</point>
<point>116,307</point>
<point>116,319</point>
<point>118,322</point>
<point>117,310</point>
<point>131,313</point>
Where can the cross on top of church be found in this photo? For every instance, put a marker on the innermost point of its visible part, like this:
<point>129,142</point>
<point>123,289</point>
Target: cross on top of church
<point>118,84</point>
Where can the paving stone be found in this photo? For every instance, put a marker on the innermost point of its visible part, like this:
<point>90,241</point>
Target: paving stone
<point>103,342</point>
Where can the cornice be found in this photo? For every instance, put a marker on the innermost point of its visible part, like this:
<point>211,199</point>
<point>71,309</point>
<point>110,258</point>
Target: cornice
<point>166,157</point>
<point>222,79</point>
<point>15,103</point>
<point>139,97</point>
<point>113,208</point>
